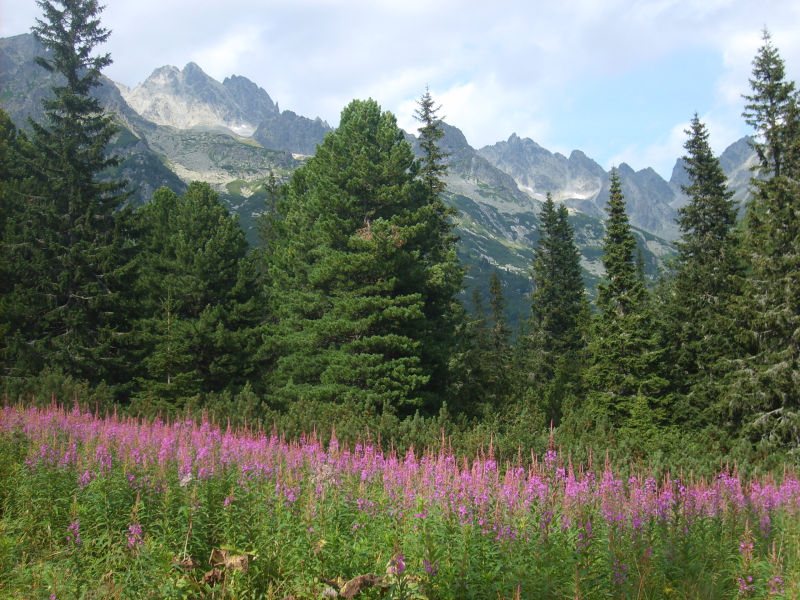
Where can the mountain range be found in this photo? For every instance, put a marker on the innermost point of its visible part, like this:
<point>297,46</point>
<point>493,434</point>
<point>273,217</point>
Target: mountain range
<point>181,125</point>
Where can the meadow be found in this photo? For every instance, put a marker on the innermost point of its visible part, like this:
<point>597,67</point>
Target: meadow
<point>117,507</point>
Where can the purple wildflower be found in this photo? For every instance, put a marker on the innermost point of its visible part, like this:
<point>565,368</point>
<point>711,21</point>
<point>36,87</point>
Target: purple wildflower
<point>620,574</point>
<point>431,568</point>
<point>746,585</point>
<point>584,536</point>
<point>74,533</point>
<point>85,479</point>
<point>135,538</point>
<point>397,565</point>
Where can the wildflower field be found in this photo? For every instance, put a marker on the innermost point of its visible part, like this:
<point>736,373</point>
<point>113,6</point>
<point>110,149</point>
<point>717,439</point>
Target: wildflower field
<point>116,507</point>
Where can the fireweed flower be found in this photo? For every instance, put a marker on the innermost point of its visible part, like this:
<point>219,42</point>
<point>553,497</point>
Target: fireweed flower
<point>74,533</point>
<point>550,459</point>
<point>584,536</point>
<point>397,566</point>
<point>746,585</point>
<point>85,479</point>
<point>620,574</point>
<point>135,538</point>
<point>431,568</point>
<point>775,586</point>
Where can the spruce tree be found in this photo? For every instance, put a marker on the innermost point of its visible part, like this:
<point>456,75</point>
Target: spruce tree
<point>768,106</point>
<point>72,254</point>
<point>621,291</point>
<point>18,258</point>
<point>558,303</point>
<point>623,374</point>
<point>443,311</point>
<point>550,351</point>
<point>199,328</point>
<point>763,398</point>
<point>700,326</point>
<point>433,166</point>
<point>363,275</point>
<point>483,363</point>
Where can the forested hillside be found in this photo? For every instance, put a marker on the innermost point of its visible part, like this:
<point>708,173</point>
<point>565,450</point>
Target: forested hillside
<point>349,311</point>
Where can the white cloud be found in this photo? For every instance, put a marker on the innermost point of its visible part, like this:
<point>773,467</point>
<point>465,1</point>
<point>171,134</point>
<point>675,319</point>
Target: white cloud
<point>222,58</point>
<point>661,155</point>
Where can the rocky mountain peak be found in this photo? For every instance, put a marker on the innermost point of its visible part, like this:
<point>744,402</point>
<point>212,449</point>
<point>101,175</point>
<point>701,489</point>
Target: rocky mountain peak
<point>191,99</point>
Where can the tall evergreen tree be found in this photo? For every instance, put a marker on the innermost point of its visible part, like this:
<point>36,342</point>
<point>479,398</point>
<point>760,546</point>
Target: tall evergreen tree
<point>441,306</point>
<point>198,293</point>
<point>433,166</point>
<point>768,106</point>
<point>623,375</point>
<point>17,190</point>
<point>501,334</point>
<point>550,351</point>
<point>621,291</point>
<point>764,398</point>
<point>558,304</point>
<point>71,254</point>
<point>362,276</point>
<point>700,326</point>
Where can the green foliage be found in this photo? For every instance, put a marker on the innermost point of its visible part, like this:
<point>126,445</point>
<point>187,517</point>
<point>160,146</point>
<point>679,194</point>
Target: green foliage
<point>768,107</point>
<point>77,520</point>
<point>550,351</point>
<point>69,256</point>
<point>482,361</point>
<point>763,399</point>
<point>624,352</point>
<point>362,273</point>
<point>432,166</point>
<point>700,327</point>
<point>197,288</point>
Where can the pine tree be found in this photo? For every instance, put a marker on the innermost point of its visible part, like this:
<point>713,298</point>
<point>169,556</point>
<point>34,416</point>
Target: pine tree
<point>72,255</point>
<point>763,398</point>
<point>363,275</point>
<point>623,374</point>
<point>700,325</point>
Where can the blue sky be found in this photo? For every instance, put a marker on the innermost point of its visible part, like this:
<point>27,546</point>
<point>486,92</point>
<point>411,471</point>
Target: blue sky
<point>618,79</point>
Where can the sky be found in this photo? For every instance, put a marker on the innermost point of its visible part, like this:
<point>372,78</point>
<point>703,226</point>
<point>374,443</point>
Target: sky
<point>618,79</point>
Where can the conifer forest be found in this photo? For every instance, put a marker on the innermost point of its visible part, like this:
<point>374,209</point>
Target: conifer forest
<point>329,414</point>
